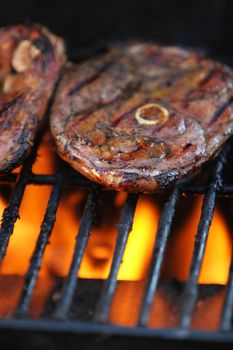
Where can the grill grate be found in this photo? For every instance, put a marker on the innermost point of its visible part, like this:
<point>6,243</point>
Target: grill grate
<point>191,291</point>
<point>36,260</point>
<point>100,323</point>
<point>109,287</point>
<point>81,243</point>
<point>158,254</point>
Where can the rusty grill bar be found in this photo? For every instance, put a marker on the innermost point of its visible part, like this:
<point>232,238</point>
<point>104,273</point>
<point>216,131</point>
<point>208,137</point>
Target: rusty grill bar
<point>100,323</point>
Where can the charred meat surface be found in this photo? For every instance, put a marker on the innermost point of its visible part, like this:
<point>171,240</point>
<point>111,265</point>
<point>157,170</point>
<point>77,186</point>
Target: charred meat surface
<point>142,116</point>
<point>30,62</point>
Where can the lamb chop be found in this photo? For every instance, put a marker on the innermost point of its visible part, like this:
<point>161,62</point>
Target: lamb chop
<point>31,59</point>
<point>142,116</point>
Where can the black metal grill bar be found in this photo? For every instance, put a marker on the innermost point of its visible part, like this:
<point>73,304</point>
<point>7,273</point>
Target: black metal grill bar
<point>222,190</point>
<point>163,231</point>
<point>107,331</point>
<point>80,246</point>
<point>73,181</point>
<point>66,180</point>
<point>36,259</point>
<point>227,311</point>
<point>42,179</point>
<point>11,213</point>
<point>124,228</point>
<point>191,287</point>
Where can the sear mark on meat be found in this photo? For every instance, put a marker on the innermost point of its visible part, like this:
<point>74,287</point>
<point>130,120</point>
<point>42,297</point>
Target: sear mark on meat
<point>31,59</point>
<point>177,116</point>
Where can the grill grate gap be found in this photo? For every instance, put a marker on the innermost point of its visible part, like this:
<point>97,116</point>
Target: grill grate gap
<point>72,288</point>
<point>110,283</point>
<point>227,312</point>
<point>158,255</point>
<point>68,290</point>
<point>191,288</point>
<point>11,213</point>
<point>36,259</point>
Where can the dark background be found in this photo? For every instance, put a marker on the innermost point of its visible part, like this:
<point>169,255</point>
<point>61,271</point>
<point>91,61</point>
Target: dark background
<point>87,24</point>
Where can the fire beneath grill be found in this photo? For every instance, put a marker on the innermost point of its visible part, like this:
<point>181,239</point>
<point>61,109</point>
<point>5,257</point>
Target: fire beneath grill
<point>217,258</point>
<point>98,255</point>
<point>97,259</point>
<point>113,258</point>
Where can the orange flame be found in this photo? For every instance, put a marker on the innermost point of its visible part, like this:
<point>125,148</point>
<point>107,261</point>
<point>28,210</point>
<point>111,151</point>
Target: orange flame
<point>97,259</point>
<point>217,257</point>
<point>58,255</point>
<point>31,213</point>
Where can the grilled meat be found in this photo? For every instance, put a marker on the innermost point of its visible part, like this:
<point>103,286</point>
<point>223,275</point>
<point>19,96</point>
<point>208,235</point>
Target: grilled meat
<point>142,116</point>
<point>30,62</point>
